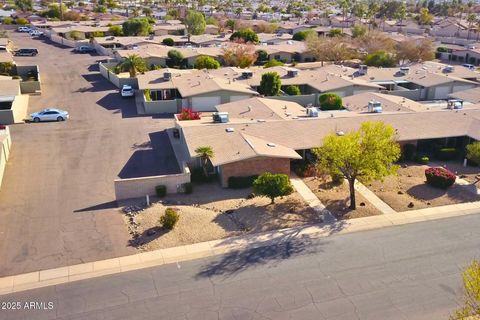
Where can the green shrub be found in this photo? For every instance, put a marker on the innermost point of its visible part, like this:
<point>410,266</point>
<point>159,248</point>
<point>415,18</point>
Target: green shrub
<point>292,90</point>
<point>169,219</point>
<point>21,21</point>
<point>442,49</point>
<point>380,59</point>
<point>409,151</point>
<point>304,169</point>
<point>168,42</point>
<point>473,152</point>
<point>241,182</point>
<point>273,63</point>
<point>440,177</point>
<point>330,101</point>
<point>272,185</point>
<point>206,62</point>
<point>187,187</point>
<point>422,159</point>
<point>446,153</point>
<point>337,178</point>
<point>161,191</point>
<point>7,20</point>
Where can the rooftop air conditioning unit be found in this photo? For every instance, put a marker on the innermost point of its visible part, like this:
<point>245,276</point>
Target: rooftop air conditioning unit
<point>247,74</point>
<point>404,70</point>
<point>167,76</point>
<point>375,107</point>
<point>448,69</point>
<point>312,112</point>
<point>220,117</point>
<point>362,69</point>
<point>230,130</point>
<point>455,104</point>
<point>292,73</point>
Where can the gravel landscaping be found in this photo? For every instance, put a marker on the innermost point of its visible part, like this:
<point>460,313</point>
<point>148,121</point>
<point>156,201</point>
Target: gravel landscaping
<point>408,191</point>
<point>212,212</point>
<point>468,173</point>
<point>336,199</point>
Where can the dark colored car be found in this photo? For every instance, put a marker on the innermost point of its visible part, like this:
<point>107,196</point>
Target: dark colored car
<point>26,52</point>
<point>84,49</point>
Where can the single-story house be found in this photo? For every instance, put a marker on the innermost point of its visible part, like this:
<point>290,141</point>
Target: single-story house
<point>13,105</point>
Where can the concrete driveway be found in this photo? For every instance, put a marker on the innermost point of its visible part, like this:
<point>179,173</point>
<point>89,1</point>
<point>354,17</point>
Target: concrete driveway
<point>56,201</point>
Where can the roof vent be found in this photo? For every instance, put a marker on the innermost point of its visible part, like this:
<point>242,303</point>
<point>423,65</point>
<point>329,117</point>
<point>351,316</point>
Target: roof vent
<point>230,130</point>
<point>374,106</point>
<point>292,73</point>
<point>404,70</point>
<point>167,76</point>
<point>247,74</point>
<point>260,120</point>
<point>340,133</point>
<point>271,144</point>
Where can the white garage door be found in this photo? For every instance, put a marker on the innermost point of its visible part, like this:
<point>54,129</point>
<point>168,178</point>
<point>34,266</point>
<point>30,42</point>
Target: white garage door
<point>442,92</point>
<point>205,103</point>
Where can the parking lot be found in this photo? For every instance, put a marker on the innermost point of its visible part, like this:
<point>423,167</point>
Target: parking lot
<point>57,199</point>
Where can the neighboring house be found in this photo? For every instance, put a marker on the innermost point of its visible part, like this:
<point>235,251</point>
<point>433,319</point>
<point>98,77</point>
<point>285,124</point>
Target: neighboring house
<point>13,105</point>
<point>428,81</point>
<point>169,29</point>
<point>6,45</point>
<point>249,146</point>
<point>168,90</point>
<point>469,95</point>
<point>389,103</point>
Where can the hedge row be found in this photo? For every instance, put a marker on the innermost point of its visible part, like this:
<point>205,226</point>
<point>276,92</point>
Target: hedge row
<point>241,182</point>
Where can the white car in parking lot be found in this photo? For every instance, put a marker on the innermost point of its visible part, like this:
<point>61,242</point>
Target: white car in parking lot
<point>35,33</point>
<point>49,115</point>
<point>127,91</point>
<point>24,29</point>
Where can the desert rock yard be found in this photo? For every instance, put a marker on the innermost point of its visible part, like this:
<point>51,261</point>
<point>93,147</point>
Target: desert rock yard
<point>212,212</point>
<point>408,191</point>
<point>336,198</point>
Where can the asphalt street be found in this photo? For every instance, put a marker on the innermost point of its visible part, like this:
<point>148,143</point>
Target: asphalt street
<point>57,199</point>
<point>408,272</point>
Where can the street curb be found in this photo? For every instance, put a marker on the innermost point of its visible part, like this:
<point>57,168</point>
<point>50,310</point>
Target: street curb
<point>50,277</point>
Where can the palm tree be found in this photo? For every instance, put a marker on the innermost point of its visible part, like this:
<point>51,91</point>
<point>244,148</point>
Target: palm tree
<point>147,11</point>
<point>135,12</point>
<point>133,64</point>
<point>205,153</point>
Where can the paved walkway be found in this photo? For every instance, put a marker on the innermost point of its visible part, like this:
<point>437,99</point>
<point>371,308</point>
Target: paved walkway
<point>95,269</point>
<point>311,199</point>
<point>462,182</point>
<point>373,198</point>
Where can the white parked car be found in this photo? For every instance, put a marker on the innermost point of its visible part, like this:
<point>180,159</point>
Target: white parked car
<point>36,33</point>
<point>127,91</point>
<point>24,29</point>
<point>49,115</point>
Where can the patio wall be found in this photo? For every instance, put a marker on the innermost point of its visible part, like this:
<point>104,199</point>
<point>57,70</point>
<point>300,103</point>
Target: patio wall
<point>116,80</point>
<point>140,187</point>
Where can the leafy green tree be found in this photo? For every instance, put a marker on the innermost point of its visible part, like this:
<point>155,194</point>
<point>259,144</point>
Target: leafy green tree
<point>359,31</point>
<point>100,9</point>
<point>194,23</point>
<point>471,287</point>
<point>380,58</point>
<point>273,63</point>
<point>116,30</point>
<point>24,5</point>
<point>330,101</point>
<point>168,42</point>
<point>75,35</point>
<point>54,11</point>
<point>133,64</point>
<point>425,17</point>
<point>335,32</point>
<point>302,35</point>
<point>369,153</point>
<point>136,27</point>
<point>111,4</point>
<point>21,21</point>
<point>270,84</point>
<point>272,185</point>
<point>292,90</point>
<point>262,56</point>
<point>246,35</point>
<point>473,152</point>
<point>211,20</point>
<point>205,153</point>
<point>175,58</point>
<point>206,62</point>
<point>7,20</point>
<point>147,11</point>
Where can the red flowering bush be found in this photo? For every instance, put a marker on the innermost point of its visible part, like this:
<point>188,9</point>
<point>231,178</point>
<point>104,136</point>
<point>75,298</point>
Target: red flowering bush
<point>440,177</point>
<point>3,127</point>
<point>188,114</point>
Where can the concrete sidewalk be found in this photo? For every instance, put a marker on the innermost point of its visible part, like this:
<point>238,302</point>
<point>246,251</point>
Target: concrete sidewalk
<point>51,277</point>
<point>373,198</point>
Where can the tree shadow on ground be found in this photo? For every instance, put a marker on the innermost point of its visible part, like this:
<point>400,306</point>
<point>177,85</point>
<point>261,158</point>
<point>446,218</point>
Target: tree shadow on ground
<point>428,193</point>
<point>147,236</point>
<point>290,244</point>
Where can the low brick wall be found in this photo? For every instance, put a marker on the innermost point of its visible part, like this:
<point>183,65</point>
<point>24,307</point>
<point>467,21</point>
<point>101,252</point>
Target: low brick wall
<point>117,80</point>
<point>140,187</point>
<point>254,166</point>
